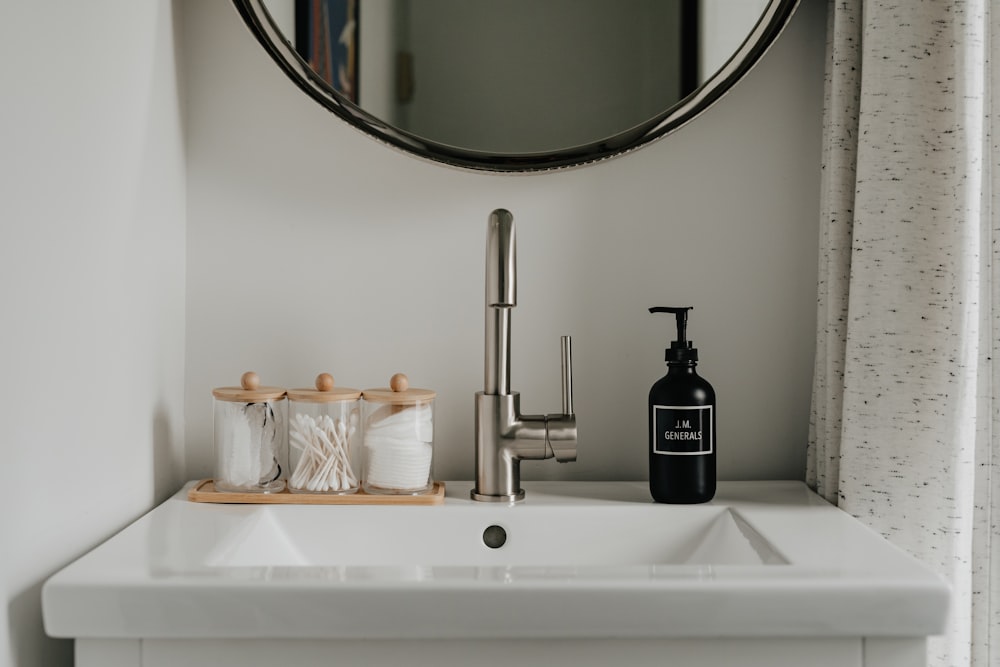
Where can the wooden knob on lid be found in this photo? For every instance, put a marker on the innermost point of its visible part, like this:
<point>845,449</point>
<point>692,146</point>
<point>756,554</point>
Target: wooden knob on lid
<point>249,391</point>
<point>399,382</point>
<point>250,381</point>
<point>324,382</point>
<point>399,393</point>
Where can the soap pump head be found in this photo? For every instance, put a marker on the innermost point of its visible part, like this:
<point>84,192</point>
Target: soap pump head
<point>680,350</point>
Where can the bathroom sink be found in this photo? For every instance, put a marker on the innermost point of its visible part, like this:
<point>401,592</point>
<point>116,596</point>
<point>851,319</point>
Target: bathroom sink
<point>576,559</point>
<point>460,535</point>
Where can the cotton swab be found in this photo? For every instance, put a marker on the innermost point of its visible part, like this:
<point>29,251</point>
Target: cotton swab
<point>324,464</point>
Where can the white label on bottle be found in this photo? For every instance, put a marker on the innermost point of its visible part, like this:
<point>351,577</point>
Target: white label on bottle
<point>683,430</point>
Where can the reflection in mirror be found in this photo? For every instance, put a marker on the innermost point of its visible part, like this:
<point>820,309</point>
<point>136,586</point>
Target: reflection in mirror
<point>514,84</point>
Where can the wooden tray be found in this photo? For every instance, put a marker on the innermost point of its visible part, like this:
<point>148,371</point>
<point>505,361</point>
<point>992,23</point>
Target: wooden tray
<point>204,492</point>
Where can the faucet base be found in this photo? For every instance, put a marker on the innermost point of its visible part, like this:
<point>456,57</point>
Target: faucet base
<point>510,499</point>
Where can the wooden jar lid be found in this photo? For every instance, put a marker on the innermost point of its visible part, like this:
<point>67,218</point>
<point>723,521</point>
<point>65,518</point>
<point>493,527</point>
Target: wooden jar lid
<point>399,392</point>
<point>324,392</point>
<point>249,391</point>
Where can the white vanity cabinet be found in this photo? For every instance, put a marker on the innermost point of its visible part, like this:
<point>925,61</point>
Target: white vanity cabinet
<point>588,573</point>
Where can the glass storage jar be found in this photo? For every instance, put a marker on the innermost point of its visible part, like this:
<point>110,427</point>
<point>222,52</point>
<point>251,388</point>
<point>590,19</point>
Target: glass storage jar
<point>250,437</point>
<point>398,438</point>
<point>323,428</point>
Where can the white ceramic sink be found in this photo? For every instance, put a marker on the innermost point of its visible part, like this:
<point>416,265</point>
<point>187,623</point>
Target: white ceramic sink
<point>580,559</point>
<point>457,535</point>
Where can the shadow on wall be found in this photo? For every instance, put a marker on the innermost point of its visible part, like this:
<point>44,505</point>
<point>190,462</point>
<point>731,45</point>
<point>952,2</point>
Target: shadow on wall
<point>28,646</point>
<point>168,456</point>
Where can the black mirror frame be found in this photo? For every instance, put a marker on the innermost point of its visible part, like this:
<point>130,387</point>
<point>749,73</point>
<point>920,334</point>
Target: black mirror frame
<point>767,29</point>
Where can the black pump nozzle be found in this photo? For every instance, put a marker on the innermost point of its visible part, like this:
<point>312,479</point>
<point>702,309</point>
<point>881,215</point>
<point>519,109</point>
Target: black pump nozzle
<point>680,350</point>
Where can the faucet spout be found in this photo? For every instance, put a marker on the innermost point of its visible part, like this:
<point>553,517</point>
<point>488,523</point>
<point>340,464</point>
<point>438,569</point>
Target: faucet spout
<point>501,260</point>
<point>505,437</point>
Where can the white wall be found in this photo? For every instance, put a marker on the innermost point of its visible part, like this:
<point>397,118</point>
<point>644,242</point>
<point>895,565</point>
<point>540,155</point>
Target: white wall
<point>92,267</point>
<point>313,248</point>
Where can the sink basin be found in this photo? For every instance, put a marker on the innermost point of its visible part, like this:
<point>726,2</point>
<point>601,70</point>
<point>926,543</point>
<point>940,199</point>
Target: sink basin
<point>616,535</point>
<point>574,560</point>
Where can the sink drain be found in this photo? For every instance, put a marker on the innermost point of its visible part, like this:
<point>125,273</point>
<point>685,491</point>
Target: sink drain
<point>494,537</point>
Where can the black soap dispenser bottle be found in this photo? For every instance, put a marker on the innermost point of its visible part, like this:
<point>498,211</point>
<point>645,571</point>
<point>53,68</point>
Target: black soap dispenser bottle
<point>681,425</point>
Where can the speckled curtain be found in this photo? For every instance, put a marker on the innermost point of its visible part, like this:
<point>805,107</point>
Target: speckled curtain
<point>905,398</point>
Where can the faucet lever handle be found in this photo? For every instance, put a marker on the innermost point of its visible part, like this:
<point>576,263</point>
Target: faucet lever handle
<point>566,342</point>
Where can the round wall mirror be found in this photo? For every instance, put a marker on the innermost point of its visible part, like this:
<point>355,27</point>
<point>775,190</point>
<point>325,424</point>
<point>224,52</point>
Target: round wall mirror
<point>516,85</point>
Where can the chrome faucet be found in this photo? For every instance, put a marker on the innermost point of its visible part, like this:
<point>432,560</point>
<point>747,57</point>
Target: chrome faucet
<point>505,437</point>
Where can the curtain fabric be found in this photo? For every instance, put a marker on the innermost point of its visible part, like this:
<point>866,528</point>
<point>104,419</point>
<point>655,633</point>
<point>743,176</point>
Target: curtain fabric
<point>904,419</point>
